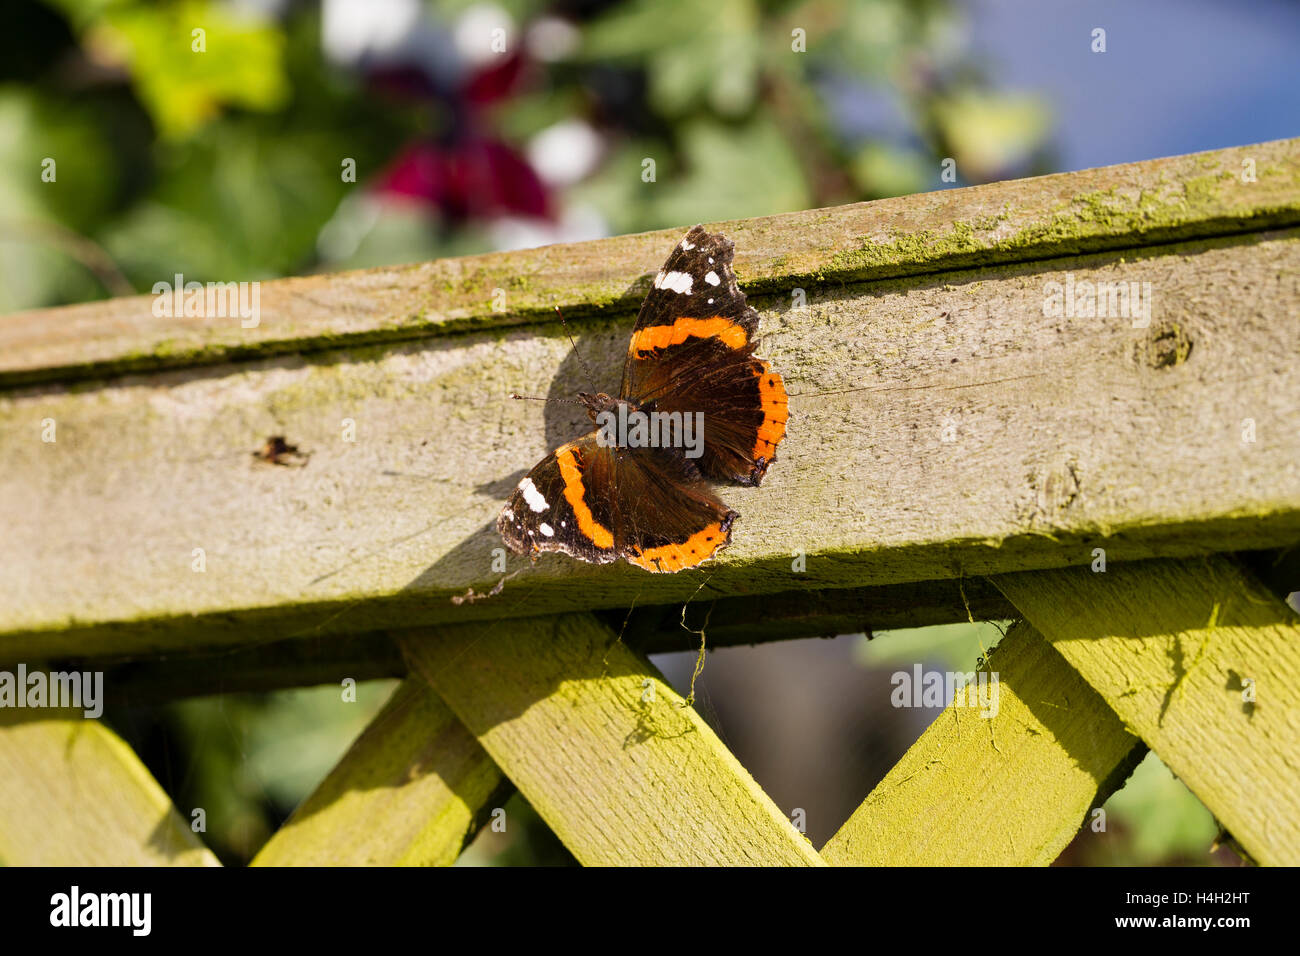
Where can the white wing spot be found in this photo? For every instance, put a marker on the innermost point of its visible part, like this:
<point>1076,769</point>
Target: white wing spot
<point>710,302</point>
<point>710,260</point>
<point>546,529</point>
<point>712,279</point>
<point>687,246</point>
<point>679,282</point>
<point>532,495</point>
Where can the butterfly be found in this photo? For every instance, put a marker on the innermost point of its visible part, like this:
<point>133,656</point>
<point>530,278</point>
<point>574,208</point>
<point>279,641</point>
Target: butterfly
<point>696,406</point>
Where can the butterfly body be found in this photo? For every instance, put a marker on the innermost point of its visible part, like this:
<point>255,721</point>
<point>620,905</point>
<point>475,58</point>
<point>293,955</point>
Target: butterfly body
<point>702,407</point>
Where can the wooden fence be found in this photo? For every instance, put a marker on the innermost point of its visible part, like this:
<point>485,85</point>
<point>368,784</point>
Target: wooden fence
<point>956,448</point>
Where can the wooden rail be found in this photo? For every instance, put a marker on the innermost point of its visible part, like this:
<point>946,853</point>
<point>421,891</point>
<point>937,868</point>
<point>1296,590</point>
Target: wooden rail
<point>957,448</point>
<point>1059,426</point>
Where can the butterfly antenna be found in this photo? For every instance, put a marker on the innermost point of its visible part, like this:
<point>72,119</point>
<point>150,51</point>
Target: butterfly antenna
<point>535,398</point>
<point>585,367</point>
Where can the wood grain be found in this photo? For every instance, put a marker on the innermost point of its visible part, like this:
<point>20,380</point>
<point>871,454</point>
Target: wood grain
<point>1175,648</point>
<point>73,794</point>
<point>602,747</point>
<point>1067,434</point>
<point>1007,790</point>
<point>1161,200</point>
<point>412,790</point>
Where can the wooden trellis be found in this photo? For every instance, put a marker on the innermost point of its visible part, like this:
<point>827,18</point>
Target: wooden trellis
<point>956,448</point>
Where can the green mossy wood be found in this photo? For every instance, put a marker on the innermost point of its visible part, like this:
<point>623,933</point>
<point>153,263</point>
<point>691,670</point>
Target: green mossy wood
<point>73,794</point>
<point>602,746</point>
<point>984,436</point>
<point>1200,662</point>
<point>412,790</point>
<point>1011,790</point>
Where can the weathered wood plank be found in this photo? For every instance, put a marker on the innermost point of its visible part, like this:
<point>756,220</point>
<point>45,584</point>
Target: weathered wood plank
<point>1008,790</point>
<point>602,747</point>
<point>1181,197</point>
<point>412,790</point>
<point>1067,434</point>
<point>1173,647</point>
<point>73,794</point>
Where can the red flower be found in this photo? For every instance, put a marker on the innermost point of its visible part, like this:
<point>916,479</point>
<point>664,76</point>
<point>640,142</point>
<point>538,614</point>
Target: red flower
<point>473,177</point>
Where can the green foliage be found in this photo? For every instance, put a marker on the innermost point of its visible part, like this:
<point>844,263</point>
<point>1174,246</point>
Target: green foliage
<point>225,163</point>
<point>247,204</point>
<point>989,132</point>
<point>34,129</point>
<point>695,55</point>
<point>720,170</point>
<point>884,170</point>
<point>191,58</point>
<point>249,759</point>
<point>1164,819</point>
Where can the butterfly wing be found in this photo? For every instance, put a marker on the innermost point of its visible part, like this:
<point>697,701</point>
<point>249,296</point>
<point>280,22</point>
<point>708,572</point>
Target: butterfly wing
<point>693,351</point>
<point>670,517</point>
<point>599,503</point>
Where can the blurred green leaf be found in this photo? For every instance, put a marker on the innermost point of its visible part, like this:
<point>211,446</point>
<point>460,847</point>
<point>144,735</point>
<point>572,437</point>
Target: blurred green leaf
<point>38,262</point>
<point>253,750</point>
<point>731,172</point>
<point>1166,819</point>
<point>955,646</point>
<point>881,170</point>
<point>248,205</point>
<point>241,63</point>
<point>989,132</point>
<point>695,54</point>
<point>727,171</point>
<point>870,39</point>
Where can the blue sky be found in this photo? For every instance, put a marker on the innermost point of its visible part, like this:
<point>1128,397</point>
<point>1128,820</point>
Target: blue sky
<point>1178,76</point>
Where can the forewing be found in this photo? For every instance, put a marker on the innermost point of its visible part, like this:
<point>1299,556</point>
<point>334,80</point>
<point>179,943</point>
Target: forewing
<point>692,351</point>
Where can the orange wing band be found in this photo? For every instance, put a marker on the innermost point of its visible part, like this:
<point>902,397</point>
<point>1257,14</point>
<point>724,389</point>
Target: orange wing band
<point>574,492</point>
<point>662,336</point>
<point>674,557</point>
<point>771,391</point>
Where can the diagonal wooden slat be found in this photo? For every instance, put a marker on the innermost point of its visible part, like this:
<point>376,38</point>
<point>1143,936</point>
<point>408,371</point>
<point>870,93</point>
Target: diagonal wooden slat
<point>72,793</point>
<point>412,790</point>
<point>1177,649</point>
<point>1007,790</point>
<point>601,746</point>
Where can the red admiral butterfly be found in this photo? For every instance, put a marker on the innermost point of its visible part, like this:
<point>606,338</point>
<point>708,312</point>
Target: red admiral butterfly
<point>692,356</point>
